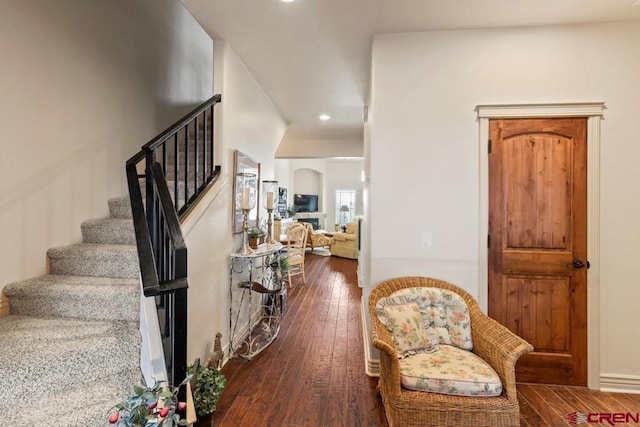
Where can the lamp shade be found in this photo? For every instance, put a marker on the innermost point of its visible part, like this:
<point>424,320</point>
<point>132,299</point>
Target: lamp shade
<point>344,208</point>
<point>246,192</point>
<point>270,194</point>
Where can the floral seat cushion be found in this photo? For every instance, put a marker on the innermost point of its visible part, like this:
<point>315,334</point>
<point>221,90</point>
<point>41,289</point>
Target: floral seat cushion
<point>450,370</point>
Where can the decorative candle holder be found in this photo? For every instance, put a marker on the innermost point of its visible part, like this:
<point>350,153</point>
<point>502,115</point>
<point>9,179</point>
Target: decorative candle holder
<point>246,193</point>
<point>270,197</point>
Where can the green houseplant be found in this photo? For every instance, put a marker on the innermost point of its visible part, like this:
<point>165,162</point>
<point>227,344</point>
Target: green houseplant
<point>290,212</point>
<point>282,262</point>
<point>255,233</point>
<point>279,263</point>
<point>208,385</point>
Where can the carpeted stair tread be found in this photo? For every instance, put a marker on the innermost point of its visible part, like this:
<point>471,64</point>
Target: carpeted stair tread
<point>44,357</point>
<point>98,298</point>
<point>70,347</point>
<point>117,231</point>
<point>190,141</point>
<point>170,171</point>
<point>92,259</point>
<point>80,405</point>
<point>120,207</point>
<point>170,184</point>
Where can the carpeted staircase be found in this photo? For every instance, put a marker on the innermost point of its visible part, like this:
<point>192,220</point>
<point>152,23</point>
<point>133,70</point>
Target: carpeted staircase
<point>70,347</point>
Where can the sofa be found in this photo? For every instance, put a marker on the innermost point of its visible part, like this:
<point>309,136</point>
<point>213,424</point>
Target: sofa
<point>345,244</point>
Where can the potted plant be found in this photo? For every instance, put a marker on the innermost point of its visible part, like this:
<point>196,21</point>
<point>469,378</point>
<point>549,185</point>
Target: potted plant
<point>291,211</point>
<point>255,235</point>
<point>155,406</point>
<point>279,263</point>
<point>283,262</point>
<point>208,384</point>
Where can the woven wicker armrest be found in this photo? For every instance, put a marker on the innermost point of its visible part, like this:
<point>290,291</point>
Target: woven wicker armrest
<point>499,347</point>
<point>382,340</point>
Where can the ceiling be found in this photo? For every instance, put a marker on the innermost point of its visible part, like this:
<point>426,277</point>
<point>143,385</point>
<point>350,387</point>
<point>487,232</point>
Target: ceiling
<point>313,56</point>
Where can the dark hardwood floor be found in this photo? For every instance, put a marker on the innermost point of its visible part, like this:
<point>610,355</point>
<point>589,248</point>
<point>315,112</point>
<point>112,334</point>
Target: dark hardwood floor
<point>548,405</point>
<point>313,373</point>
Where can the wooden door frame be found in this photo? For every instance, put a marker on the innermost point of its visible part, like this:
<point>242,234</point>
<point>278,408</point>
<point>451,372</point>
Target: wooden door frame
<point>593,112</point>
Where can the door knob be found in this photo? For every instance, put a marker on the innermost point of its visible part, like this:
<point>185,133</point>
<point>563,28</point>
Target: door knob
<point>578,264</point>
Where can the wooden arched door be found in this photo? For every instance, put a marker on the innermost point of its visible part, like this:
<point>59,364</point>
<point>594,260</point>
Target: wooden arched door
<point>538,242</point>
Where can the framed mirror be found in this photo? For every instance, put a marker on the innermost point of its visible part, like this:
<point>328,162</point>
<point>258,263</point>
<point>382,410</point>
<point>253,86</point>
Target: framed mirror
<point>244,164</point>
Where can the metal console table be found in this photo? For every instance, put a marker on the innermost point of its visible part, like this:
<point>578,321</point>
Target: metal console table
<point>257,299</point>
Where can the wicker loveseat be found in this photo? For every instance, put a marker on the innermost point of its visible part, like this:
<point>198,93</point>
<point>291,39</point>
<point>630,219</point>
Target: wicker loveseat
<point>492,342</point>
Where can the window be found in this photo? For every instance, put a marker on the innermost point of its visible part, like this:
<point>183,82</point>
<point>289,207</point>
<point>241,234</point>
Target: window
<point>345,206</point>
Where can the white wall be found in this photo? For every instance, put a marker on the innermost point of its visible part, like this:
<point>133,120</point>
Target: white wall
<point>281,174</point>
<point>424,151</point>
<point>343,175</point>
<point>292,148</point>
<point>309,181</point>
<point>249,122</point>
<point>321,140</point>
<point>290,168</point>
<point>83,86</point>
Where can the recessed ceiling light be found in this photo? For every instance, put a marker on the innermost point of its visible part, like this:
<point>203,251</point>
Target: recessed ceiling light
<point>324,117</point>
<point>286,1</point>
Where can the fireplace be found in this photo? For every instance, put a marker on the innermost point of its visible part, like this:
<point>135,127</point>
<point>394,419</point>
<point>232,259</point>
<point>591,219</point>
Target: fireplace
<point>316,219</point>
<point>315,222</point>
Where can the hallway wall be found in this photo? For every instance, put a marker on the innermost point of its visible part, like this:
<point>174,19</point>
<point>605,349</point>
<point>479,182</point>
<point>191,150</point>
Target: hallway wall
<point>84,85</point>
<point>245,116</point>
<point>425,153</point>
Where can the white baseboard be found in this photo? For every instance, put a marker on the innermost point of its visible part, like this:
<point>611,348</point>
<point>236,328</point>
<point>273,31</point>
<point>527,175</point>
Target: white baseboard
<point>371,365</point>
<point>620,383</point>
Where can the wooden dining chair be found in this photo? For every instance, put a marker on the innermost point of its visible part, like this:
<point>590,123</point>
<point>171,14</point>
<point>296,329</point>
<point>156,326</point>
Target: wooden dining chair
<point>296,243</point>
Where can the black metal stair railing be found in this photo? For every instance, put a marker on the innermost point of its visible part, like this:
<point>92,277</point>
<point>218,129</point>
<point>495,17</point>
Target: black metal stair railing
<point>174,169</point>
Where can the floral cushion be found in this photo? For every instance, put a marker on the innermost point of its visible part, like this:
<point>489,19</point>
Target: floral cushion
<point>409,332</point>
<point>450,370</point>
<point>443,312</point>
